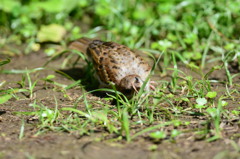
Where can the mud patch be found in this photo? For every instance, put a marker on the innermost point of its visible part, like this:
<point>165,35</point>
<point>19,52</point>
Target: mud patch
<point>97,145</point>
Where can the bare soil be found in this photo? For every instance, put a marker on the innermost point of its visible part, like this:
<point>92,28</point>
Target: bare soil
<point>72,145</point>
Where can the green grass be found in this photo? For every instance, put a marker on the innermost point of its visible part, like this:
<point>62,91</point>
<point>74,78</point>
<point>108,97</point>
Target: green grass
<point>178,33</point>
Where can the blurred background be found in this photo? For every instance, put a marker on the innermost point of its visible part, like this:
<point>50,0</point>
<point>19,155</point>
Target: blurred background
<point>196,31</point>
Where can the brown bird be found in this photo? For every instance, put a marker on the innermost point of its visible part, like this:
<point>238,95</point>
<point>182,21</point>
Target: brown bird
<point>116,64</point>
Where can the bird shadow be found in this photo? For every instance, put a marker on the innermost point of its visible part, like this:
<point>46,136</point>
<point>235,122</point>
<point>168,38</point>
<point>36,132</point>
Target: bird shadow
<point>87,78</point>
<point>88,81</point>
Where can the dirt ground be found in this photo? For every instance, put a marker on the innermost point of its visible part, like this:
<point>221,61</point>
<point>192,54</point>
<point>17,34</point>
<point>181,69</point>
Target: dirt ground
<point>72,145</point>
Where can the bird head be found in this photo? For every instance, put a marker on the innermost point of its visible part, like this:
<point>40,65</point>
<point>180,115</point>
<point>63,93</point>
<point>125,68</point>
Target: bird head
<point>130,84</point>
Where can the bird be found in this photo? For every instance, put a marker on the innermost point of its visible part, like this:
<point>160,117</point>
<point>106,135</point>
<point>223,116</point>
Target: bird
<point>115,64</point>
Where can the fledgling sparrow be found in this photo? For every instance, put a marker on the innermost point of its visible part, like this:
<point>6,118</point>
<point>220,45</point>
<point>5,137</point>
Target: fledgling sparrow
<point>115,63</point>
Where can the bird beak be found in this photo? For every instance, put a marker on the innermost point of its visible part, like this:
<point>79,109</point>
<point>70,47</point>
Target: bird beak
<point>134,88</point>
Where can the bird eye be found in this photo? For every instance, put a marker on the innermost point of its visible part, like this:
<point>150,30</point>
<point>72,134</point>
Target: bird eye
<point>137,80</point>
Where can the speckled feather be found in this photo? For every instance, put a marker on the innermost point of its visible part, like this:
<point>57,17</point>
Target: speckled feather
<point>112,61</point>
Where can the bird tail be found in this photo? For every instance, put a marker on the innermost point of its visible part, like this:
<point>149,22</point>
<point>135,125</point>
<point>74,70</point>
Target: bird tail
<point>80,44</point>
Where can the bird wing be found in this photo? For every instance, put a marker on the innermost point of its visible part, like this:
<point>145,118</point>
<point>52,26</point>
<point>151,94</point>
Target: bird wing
<point>114,61</point>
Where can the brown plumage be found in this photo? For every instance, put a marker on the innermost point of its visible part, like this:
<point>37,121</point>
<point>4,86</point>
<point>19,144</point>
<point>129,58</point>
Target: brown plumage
<point>115,63</point>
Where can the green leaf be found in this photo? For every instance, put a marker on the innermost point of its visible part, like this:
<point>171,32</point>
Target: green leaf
<point>158,135</point>
<point>200,106</point>
<point>190,38</point>
<point>164,44</point>
<point>224,103</point>
<point>5,98</point>
<point>201,101</point>
<point>197,56</point>
<point>213,112</point>
<point>4,62</point>
<point>47,113</point>
<point>211,94</point>
<point>55,6</point>
<point>50,77</point>
<point>165,7</point>
<point>235,112</point>
<point>177,122</point>
<point>185,99</point>
<point>9,5</point>
<point>161,44</point>
<point>229,46</point>
<point>103,9</point>
<point>175,133</point>
<point>52,32</point>
<point>50,51</point>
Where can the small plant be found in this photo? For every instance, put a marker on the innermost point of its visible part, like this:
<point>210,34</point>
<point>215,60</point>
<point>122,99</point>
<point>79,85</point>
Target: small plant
<point>21,134</point>
<point>215,114</point>
<point>46,116</point>
<point>31,85</point>
<point>229,57</point>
